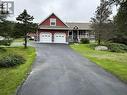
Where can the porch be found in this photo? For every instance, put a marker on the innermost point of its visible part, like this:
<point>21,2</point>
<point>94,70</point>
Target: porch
<point>77,35</point>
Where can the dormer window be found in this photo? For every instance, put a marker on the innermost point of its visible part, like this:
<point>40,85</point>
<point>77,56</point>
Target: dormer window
<point>52,22</point>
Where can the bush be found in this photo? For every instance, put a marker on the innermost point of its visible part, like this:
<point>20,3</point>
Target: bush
<point>122,40</point>
<point>2,50</point>
<point>93,45</point>
<point>6,42</point>
<point>11,60</point>
<point>85,41</point>
<point>115,47</point>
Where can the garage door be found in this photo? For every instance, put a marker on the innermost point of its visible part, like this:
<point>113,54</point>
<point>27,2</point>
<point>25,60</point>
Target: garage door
<point>45,37</point>
<point>59,38</point>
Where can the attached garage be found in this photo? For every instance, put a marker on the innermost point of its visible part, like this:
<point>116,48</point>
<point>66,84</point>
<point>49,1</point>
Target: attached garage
<point>53,30</point>
<point>45,37</point>
<point>59,38</point>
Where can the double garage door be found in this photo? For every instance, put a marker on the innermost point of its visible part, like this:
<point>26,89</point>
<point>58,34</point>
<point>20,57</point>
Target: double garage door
<point>46,37</point>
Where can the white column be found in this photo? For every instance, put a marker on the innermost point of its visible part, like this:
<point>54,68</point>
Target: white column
<point>78,35</point>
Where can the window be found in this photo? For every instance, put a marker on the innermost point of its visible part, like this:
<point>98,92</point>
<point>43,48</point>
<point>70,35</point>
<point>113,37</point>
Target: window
<point>52,22</point>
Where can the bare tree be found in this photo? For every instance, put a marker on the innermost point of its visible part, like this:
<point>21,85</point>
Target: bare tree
<point>101,19</point>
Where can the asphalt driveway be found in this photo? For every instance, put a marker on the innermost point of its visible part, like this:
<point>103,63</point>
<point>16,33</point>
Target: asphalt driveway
<point>58,70</point>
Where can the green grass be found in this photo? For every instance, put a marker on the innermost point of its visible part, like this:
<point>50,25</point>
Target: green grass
<point>11,78</point>
<point>116,63</point>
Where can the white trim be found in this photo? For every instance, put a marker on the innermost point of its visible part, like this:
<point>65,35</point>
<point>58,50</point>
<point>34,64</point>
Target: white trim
<point>52,20</point>
<point>45,19</point>
<point>61,20</point>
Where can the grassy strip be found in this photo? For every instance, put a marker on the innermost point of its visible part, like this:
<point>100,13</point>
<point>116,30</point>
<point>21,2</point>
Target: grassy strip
<point>11,78</point>
<point>116,63</point>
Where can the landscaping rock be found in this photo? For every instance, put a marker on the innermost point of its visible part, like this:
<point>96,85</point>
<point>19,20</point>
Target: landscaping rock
<point>76,43</point>
<point>101,48</point>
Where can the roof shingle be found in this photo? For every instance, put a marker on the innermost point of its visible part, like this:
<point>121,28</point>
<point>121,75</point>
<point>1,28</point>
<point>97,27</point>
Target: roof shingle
<point>81,26</point>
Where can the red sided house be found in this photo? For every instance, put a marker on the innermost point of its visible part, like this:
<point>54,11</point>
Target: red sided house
<point>54,30</point>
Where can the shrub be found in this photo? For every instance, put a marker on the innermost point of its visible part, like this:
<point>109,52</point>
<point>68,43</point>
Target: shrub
<point>115,47</point>
<point>11,60</point>
<point>93,45</point>
<point>6,42</point>
<point>2,49</point>
<point>122,39</point>
<point>85,41</point>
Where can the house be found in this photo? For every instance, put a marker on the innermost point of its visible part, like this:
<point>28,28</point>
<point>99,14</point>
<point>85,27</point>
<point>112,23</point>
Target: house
<point>54,30</point>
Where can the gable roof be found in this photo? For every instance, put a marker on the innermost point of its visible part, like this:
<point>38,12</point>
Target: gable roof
<point>81,26</point>
<point>56,17</point>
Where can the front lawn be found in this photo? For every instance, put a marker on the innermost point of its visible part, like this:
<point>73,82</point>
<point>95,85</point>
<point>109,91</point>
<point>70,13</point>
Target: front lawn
<point>116,63</point>
<point>11,78</point>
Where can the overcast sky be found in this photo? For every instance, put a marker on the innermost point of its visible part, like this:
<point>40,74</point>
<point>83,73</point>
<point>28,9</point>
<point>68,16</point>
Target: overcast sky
<point>67,10</point>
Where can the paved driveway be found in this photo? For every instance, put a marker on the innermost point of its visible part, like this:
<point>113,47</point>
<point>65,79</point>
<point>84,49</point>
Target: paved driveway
<point>59,70</point>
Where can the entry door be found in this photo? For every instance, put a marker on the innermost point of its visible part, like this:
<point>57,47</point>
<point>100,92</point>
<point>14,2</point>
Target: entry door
<point>45,37</point>
<point>59,38</point>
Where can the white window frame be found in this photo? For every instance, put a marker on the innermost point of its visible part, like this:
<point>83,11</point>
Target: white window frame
<point>52,20</point>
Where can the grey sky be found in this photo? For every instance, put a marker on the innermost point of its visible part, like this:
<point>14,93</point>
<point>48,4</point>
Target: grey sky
<point>67,10</point>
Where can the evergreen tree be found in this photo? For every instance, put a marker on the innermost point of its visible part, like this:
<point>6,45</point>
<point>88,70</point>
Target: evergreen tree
<point>25,19</point>
<point>120,21</point>
<point>19,29</point>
